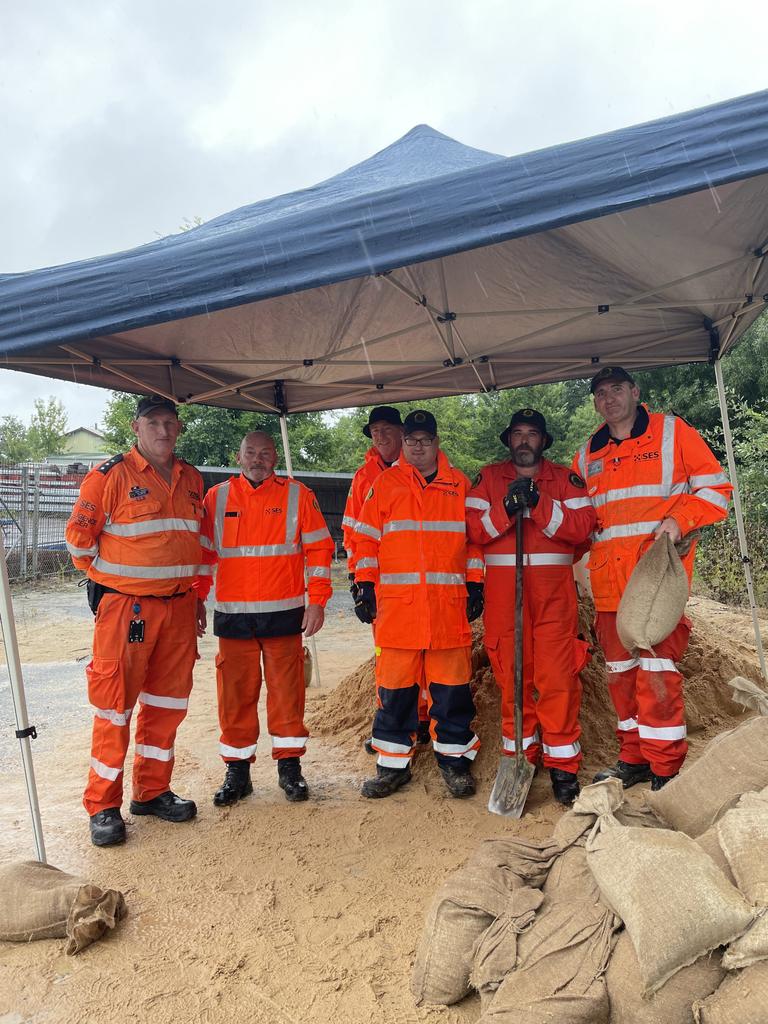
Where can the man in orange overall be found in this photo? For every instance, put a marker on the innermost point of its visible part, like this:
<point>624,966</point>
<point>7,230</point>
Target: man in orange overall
<point>558,520</point>
<point>421,583</point>
<point>135,530</point>
<point>260,534</point>
<point>647,474</point>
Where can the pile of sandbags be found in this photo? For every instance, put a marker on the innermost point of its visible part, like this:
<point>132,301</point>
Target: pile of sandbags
<point>655,915</point>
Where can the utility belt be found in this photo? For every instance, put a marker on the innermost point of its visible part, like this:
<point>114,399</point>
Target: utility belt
<point>95,591</point>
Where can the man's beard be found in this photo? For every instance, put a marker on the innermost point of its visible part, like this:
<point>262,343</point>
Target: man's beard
<point>525,456</point>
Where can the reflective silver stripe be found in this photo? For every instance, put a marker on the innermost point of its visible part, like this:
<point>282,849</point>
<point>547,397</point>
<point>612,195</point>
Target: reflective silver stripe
<point>292,515</point>
<point>82,552</point>
<point>119,718</point>
<point>367,563</point>
<point>667,732</point>
<point>668,452</point>
<point>315,535</point>
<point>626,724</point>
<point>386,747</point>
<point>444,525</point>
<point>480,503</point>
<point>583,461</point>
<point>222,496</point>
<point>145,572</point>
<point>615,667</point>
<point>527,741</point>
<point>543,559</point>
<point>455,749</point>
<point>441,578</point>
<point>488,526</point>
<point>206,543</point>
<point>713,497</point>
<point>241,753</point>
<point>626,530</point>
<point>398,525</point>
<point>104,771</point>
<point>555,520</point>
<point>260,551</point>
<point>577,502</point>
<point>154,753</point>
<point>657,665</point>
<point>390,761</point>
<point>708,480</point>
<point>398,578</point>
<point>284,742</point>
<point>474,563</point>
<point>152,526</point>
<point>348,521</point>
<point>172,703</point>
<point>369,531</point>
<point>254,607</point>
<point>205,570</point>
<point>320,571</point>
<point>567,750</point>
<point>640,491</point>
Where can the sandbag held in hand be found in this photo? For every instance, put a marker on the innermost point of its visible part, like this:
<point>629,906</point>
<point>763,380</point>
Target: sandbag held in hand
<point>654,599</point>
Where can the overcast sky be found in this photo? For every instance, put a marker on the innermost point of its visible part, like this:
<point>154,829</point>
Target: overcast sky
<point>122,118</point>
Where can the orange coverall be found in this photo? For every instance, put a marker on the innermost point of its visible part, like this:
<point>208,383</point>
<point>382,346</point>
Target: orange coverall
<point>664,470</point>
<point>259,541</point>
<point>553,656</point>
<point>133,533</point>
<point>371,469</point>
<point>411,542</point>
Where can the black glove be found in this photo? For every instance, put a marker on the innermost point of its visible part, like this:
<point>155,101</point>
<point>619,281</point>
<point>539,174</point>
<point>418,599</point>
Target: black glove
<point>521,493</point>
<point>353,588</point>
<point>475,601</point>
<point>365,602</point>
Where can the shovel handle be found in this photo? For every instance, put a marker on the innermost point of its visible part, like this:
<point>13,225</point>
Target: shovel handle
<point>519,562</point>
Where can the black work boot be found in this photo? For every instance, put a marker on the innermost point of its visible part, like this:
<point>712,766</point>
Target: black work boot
<point>385,782</point>
<point>659,781</point>
<point>167,806</point>
<point>459,781</point>
<point>107,827</point>
<point>237,784</point>
<point>629,774</point>
<point>290,779</point>
<point>565,786</point>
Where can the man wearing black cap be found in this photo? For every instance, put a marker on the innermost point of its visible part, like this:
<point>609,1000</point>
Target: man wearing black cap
<point>558,520</point>
<point>135,531</point>
<point>648,474</point>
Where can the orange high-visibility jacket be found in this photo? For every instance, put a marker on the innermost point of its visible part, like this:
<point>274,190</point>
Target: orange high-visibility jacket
<point>370,470</point>
<point>258,540</point>
<point>411,542</point>
<point>666,470</point>
<point>553,531</point>
<point>132,532</point>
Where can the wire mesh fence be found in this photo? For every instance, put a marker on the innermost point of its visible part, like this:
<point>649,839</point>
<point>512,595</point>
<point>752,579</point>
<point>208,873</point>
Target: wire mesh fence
<point>35,502</point>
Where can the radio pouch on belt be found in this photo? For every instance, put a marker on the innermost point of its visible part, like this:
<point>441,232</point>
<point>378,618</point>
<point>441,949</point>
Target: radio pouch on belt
<point>95,591</point>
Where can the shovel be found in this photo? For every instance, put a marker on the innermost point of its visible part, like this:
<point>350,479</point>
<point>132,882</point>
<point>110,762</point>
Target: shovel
<point>515,774</point>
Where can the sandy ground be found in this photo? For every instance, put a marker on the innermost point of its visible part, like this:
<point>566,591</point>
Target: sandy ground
<point>266,911</point>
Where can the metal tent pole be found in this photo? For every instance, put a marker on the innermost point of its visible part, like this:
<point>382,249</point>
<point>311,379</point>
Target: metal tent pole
<point>289,466</point>
<point>23,730</point>
<point>745,559</point>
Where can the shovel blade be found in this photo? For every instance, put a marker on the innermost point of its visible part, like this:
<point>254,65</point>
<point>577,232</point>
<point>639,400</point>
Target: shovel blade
<point>511,788</point>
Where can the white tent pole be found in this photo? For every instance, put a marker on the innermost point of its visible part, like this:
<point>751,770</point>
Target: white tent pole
<point>19,701</point>
<point>289,466</point>
<point>745,559</point>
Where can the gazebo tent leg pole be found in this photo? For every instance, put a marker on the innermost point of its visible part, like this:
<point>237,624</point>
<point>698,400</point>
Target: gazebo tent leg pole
<point>742,535</point>
<point>19,701</point>
<point>289,466</point>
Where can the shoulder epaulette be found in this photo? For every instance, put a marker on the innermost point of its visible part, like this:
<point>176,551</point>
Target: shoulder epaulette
<point>110,464</point>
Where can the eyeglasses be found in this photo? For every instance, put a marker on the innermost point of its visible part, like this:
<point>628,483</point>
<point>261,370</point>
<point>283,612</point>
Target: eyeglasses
<point>413,442</point>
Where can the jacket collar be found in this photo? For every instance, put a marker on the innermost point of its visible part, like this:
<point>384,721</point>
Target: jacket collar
<point>137,460</point>
<point>373,455</point>
<point>602,436</point>
<point>446,474</point>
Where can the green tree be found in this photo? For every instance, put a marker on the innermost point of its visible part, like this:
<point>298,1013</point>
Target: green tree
<point>14,440</point>
<point>47,428</point>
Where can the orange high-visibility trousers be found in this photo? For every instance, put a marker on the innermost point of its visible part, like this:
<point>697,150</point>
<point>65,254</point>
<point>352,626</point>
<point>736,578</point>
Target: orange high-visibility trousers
<point>238,685</point>
<point>647,693</point>
<point>157,673</point>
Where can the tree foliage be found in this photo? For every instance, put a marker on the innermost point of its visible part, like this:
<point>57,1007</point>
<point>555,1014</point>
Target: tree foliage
<point>43,437</point>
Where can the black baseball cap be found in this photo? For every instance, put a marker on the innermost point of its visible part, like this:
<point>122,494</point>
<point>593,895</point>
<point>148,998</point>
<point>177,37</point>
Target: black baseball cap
<point>531,418</point>
<point>420,419</point>
<point>610,373</point>
<point>382,414</point>
<point>153,403</point>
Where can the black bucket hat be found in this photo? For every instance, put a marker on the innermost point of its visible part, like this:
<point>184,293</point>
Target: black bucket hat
<point>382,414</point>
<point>531,418</point>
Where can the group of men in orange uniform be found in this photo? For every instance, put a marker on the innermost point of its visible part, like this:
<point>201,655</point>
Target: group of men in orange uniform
<point>428,553</point>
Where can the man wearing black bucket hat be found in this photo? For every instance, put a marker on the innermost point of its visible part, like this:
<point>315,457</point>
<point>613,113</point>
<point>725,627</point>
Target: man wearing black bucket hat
<point>558,520</point>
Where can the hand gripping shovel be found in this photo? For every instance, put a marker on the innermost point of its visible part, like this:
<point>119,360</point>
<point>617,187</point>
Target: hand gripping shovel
<point>515,774</point>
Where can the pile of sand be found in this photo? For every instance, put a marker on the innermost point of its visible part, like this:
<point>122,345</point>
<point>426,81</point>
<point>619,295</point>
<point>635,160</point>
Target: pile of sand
<point>345,714</point>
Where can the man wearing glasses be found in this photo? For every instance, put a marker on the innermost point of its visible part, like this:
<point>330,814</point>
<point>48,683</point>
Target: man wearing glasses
<point>421,583</point>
